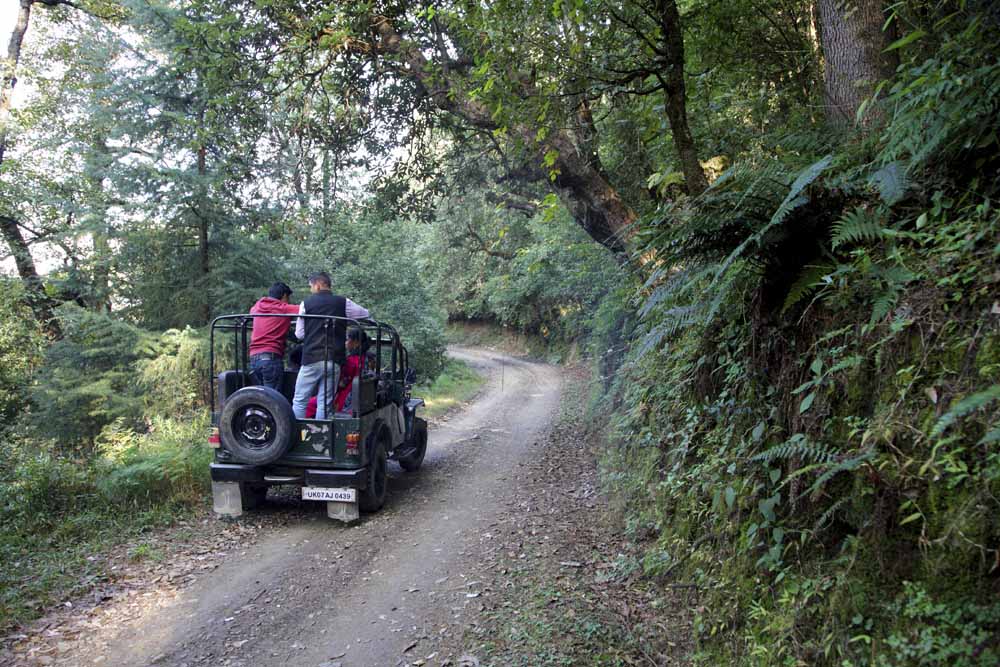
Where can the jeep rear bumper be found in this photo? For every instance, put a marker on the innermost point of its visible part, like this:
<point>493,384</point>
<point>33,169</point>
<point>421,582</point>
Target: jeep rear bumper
<point>235,472</point>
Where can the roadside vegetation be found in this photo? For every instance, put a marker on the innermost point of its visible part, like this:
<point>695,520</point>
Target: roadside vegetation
<point>457,384</point>
<point>770,225</point>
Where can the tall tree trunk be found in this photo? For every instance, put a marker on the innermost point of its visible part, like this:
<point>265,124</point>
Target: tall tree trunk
<point>325,169</point>
<point>9,68</point>
<point>96,221</point>
<point>675,93</point>
<point>40,303</point>
<point>854,56</point>
<point>203,259</point>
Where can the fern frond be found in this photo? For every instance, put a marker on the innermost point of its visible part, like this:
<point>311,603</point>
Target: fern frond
<point>674,320</point>
<point>857,226</point>
<point>792,201</point>
<point>991,436</point>
<point>673,286</point>
<point>964,407</point>
<point>807,282</point>
<point>882,305</point>
<point>797,446</point>
<point>844,466</point>
<point>891,181</point>
<point>824,520</point>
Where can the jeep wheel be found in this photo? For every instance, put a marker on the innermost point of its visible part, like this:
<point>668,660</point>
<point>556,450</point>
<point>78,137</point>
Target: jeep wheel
<point>256,425</point>
<point>411,462</point>
<point>376,477</point>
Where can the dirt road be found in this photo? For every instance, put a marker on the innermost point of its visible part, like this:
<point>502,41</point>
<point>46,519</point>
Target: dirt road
<point>318,593</point>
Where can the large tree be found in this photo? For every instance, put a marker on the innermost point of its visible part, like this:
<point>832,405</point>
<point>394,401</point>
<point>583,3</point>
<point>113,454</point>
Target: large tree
<point>34,289</point>
<point>855,40</point>
<point>524,78</point>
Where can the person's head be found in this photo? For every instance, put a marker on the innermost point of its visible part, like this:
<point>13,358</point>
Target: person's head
<point>319,281</point>
<point>353,340</point>
<point>280,291</point>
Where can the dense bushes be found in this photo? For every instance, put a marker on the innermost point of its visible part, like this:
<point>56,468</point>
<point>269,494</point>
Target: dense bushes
<point>58,511</point>
<point>541,275</point>
<point>811,411</point>
<point>376,264</point>
<point>111,435</point>
<point>21,347</point>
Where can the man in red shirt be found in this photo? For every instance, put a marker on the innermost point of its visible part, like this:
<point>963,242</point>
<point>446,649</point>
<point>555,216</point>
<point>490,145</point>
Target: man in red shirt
<point>267,342</point>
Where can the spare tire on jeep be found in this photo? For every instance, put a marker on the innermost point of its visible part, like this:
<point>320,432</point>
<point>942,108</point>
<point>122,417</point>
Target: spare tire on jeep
<point>256,425</point>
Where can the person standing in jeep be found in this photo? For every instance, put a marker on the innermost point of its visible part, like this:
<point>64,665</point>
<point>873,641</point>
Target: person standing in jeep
<point>322,343</point>
<point>267,341</point>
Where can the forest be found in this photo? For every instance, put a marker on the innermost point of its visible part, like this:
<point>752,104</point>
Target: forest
<point>767,225</point>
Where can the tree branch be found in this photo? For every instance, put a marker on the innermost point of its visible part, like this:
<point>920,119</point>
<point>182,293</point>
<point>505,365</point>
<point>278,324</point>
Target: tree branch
<point>484,247</point>
<point>510,202</point>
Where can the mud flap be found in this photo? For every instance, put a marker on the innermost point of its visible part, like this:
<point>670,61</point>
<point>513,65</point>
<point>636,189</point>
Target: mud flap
<point>232,498</point>
<point>227,498</point>
<point>345,512</point>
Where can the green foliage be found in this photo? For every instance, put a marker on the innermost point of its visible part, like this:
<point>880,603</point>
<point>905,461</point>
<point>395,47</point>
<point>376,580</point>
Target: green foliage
<point>375,263</point>
<point>965,407</point>
<point>935,632</point>
<point>21,348</point>
<point>88,378</point>
<point>105,371</point>
<point>166,462</point>
<point>545,276</point>
<point>174,381</point>
<point>856,226</point>
<point>57,511</point>
<point>456,384</point>
<point>808,423</point>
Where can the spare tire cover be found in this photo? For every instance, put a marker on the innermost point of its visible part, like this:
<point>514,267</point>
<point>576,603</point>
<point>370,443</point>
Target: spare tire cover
<point>256,425</point>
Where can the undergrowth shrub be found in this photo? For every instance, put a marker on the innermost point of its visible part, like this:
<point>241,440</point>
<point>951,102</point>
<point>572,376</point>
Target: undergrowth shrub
<point>58,510</point>
<point>21,347</point>
<point>166,463</point>
<point>812,409</point>
<point>105,370</point>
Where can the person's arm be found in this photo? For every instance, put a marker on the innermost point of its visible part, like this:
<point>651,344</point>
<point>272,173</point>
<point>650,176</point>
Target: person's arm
<point>300,323</point>
<point>354,311</point>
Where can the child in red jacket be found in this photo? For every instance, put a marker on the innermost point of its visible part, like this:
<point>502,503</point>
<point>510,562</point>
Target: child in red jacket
<point>348,371</point>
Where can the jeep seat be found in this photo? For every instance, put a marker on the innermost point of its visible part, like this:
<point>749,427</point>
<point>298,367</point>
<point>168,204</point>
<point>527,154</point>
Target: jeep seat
<point>229,383</point>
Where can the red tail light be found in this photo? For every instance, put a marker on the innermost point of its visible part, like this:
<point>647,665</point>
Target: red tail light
<point>352,443</point>
<point>213,438</point>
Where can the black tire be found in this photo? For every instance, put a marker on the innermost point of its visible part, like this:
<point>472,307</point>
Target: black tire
<point>256,425</point>
<point>411,462</point>
<point>372,497</point>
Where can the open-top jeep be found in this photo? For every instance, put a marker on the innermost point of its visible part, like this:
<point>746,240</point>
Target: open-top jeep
<point>341,460</point>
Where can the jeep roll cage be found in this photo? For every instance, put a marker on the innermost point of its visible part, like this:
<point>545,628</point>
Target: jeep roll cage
<point>380,336</point>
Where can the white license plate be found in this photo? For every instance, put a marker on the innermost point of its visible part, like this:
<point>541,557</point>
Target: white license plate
<point>336,495</point>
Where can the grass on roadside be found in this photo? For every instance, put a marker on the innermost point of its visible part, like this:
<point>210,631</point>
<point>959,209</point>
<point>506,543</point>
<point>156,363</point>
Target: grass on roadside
<point>456,384</point>
<point>511,341</point>
<point>61,517</point>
